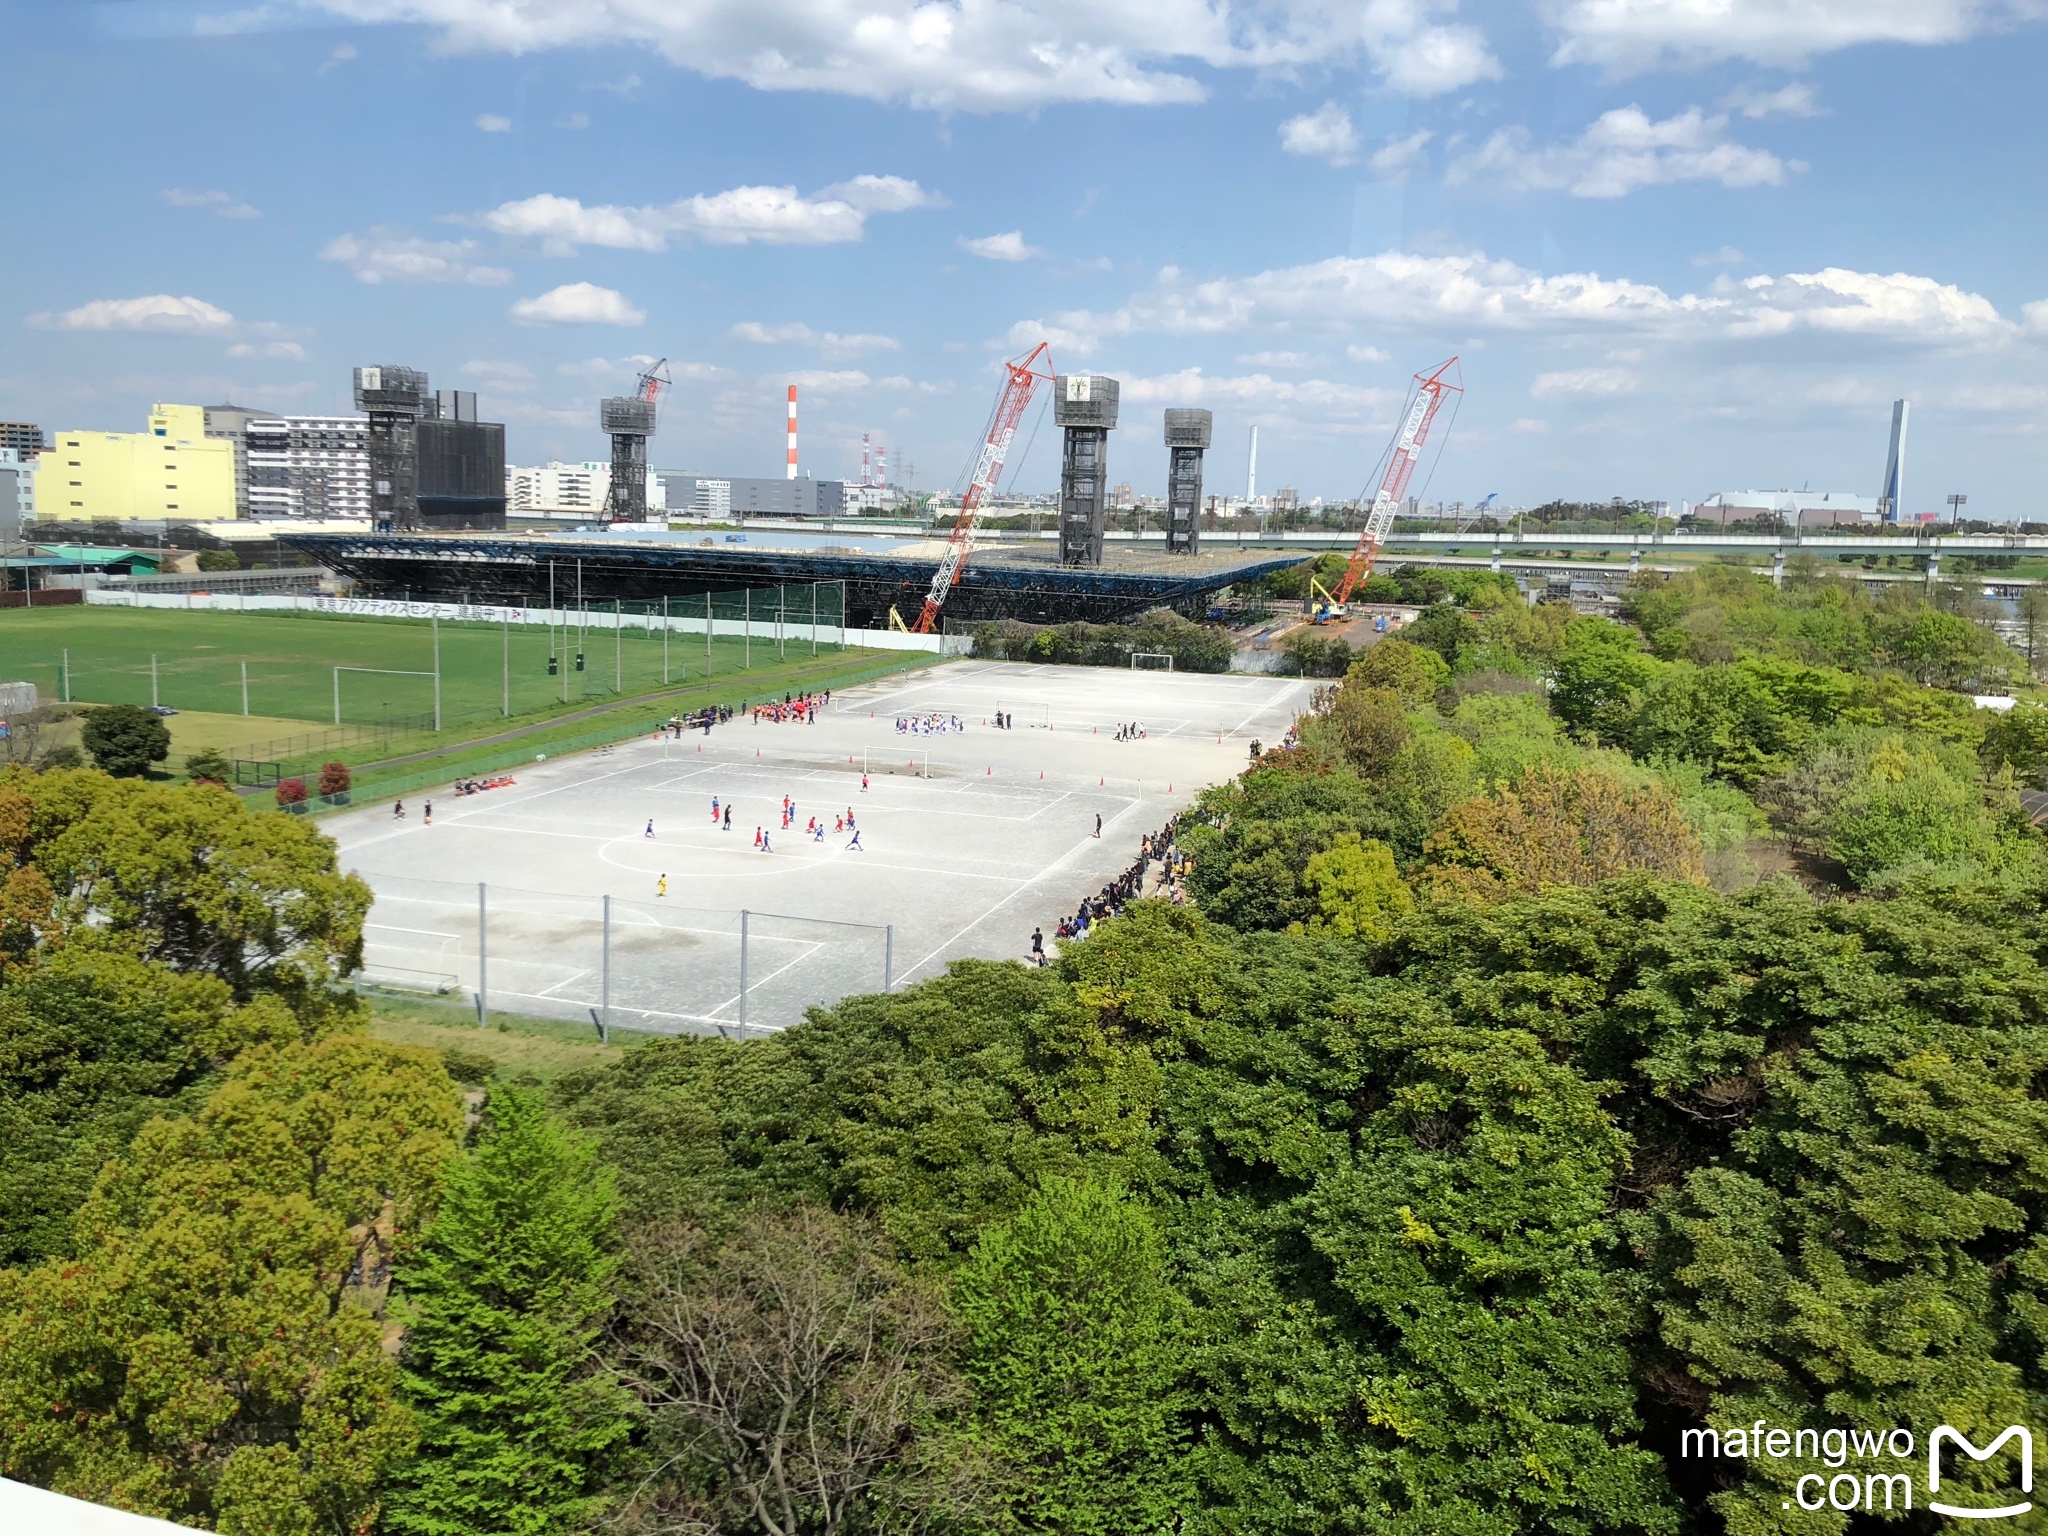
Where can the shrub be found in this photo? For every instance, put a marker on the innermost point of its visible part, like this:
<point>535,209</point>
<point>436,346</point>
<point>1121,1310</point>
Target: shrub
<point>334,779</point>
<point>124,739</point>
<point>218,560</point>
<point>209,765</point>
<point>291,791</point>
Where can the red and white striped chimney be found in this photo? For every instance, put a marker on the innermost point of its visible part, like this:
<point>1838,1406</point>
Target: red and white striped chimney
<point>790,472</point>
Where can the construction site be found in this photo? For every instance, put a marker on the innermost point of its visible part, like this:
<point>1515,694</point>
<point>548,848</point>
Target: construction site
<point>450,547</point>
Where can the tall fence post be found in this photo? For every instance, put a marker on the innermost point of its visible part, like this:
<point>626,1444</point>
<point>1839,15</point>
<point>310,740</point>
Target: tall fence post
<point>483,960</point>
<point>505,706</point>
<point>604,1029</point>
<point>743,973</point>
<point>64,687</point>
<point>153,700</point>
<point>889,958</point>
<point>814,618</point>
<point>618,648</point>
<point>707,634</point>
<point>437,672</point>
<point>664,640</point>
<point>337,695</point>
<point>747,626</point>
<point>245,688</point>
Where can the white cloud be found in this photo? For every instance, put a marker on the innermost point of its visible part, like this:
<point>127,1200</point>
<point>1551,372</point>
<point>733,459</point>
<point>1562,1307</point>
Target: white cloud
<point>607,370</point>
<point>1302,397</point>
<point>578,304</point>
<point>1401,154</point>
<point>831,343</point>
<point>1795,100</point>
<point>1625,149</point>
<point>974,56</point>
<point>1324,134</point>
<point>491,122</point>
<point>828,381</point>
<point>219,203</point>
<point>508,377</point>
<point>573,121</point>
<point>883,194</point>
<point>1528,426</point>
<point>343,53</point>
<point>155,312</point>
<point>768,215</point>
<point>1277,359</point>
<point>1640,34</point>
<point>1359,354</point>
<point>382,256</point>
<point>1727,256</point>
<point>280,350</point>
<point>1008,246</point>
<point>1584,381</point>
<point>1433,60</point>
<point>1474,295</point>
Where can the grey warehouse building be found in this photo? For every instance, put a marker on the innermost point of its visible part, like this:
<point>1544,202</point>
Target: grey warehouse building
<point>748,496</point>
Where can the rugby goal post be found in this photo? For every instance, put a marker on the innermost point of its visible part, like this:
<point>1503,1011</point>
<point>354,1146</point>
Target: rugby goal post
<point>1151,661</point>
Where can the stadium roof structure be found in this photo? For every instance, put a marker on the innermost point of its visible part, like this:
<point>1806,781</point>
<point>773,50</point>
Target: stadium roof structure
<point>1000,583</point>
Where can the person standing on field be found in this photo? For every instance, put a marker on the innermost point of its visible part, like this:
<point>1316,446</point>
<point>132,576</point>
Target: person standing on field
<point>661,886</point>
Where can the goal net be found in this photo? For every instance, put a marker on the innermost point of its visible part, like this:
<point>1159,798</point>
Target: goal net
<point>1151,661</point>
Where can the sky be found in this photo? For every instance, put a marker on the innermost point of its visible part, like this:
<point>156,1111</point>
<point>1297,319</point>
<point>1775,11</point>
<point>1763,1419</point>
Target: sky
<point>1678,246</point>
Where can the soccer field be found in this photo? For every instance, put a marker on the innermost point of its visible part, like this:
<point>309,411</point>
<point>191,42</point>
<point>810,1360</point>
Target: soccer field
<point>198,660</point>
<point>968,839</point>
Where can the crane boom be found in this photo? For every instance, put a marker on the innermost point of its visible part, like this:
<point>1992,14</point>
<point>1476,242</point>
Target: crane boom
<point>652,380</point>
<point>1429,398</point>
<point>1022,381</point>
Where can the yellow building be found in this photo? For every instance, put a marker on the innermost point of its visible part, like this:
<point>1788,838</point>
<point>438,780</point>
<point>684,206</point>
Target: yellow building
<point>173,472</point>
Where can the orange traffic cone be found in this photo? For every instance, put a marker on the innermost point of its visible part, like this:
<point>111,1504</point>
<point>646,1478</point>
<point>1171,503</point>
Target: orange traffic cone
<point>1098,783</point>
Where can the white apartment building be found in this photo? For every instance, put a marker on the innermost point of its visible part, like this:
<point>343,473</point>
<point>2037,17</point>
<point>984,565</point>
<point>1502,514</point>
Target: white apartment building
<point>17,493</point>
<point>309,466</point>
<point>557,487</point>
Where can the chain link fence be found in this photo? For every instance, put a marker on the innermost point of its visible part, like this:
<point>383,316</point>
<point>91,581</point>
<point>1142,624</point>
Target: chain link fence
<point>651,966</point>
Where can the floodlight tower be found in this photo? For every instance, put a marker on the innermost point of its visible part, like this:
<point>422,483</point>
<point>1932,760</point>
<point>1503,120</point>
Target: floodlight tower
<point>1187,435</point>
<point>395,399</point>
<point>629,420</point>
<point>1084,408</point>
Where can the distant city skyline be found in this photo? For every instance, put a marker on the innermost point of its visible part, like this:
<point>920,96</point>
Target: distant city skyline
<point>1675,258</point>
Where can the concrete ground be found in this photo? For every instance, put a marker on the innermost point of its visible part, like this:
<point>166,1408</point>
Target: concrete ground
<point>968,840</point>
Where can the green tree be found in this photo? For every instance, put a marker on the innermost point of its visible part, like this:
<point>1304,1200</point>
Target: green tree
<point>217,560</point>
<point>503,1303</point>
<point>188,875</point>
<point>1371,726</point>
<point>92,1046</point>
<point>213,1352</point>
<point>209,765</point>
<point>1074,1346</point>
<point>2019,741</point>
<point>124,739</point>
<point>1357,888</point>
<point>1412,671</point>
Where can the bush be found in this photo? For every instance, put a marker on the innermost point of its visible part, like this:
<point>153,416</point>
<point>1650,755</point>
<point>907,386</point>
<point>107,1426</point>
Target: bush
<point>218,560</point>
<point>209,765</point>
<point>1193,647</point>
<point>124,739</point>
<point>334,779</point>
<point>291,792</point>
<point>1312,655</point>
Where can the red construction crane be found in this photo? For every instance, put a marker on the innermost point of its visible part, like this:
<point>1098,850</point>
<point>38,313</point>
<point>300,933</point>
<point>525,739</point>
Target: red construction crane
<point>1429,398</point>
<point>653,381</point>
<point>1022,381</point>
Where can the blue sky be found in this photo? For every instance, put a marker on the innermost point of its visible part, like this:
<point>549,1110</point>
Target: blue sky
<point>1680,245</point>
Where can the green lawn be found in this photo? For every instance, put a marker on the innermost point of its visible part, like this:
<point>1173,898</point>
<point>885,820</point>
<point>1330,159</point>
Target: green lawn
<point>290,659</point>
<point>517,1044</point>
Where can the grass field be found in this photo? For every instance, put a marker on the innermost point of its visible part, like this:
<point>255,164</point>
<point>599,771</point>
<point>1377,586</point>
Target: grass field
<point>546,1048</point>
<point>194,663</point>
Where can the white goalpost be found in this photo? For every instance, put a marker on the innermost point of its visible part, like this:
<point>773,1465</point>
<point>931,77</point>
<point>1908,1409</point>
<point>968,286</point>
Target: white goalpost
<point>1151,661</point>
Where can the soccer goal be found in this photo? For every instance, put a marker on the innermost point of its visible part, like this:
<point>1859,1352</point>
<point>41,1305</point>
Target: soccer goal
<point>1151,661</point>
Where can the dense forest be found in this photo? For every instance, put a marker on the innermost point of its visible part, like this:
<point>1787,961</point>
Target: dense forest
<point>1588,1031</point>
